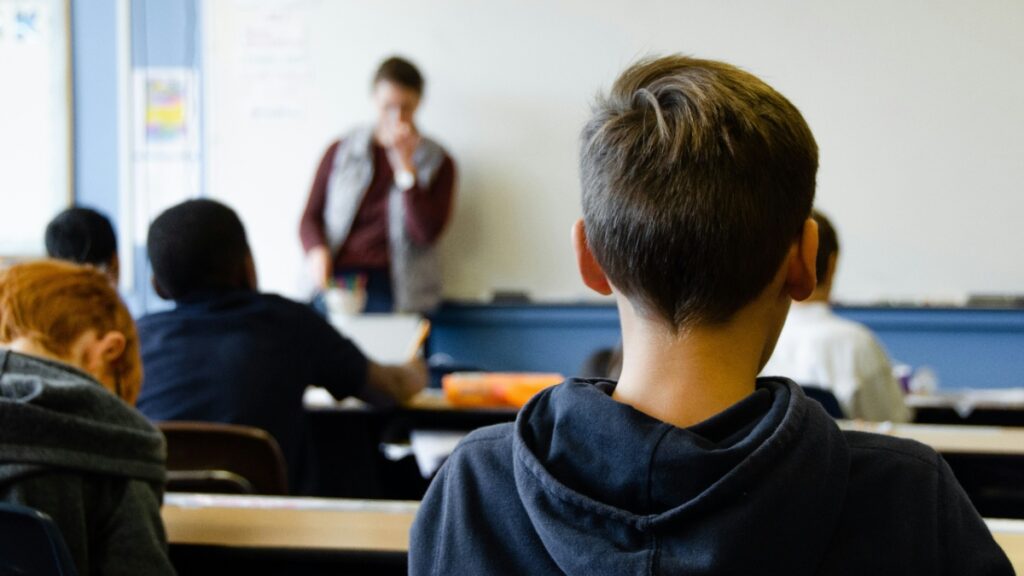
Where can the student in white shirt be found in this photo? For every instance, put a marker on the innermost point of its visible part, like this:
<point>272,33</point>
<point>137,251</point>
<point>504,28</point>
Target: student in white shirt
<point>818,348</point>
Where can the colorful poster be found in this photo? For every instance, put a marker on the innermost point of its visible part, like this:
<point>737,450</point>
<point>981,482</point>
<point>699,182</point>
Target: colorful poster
<point>165,109</point>
<point>166,122</point>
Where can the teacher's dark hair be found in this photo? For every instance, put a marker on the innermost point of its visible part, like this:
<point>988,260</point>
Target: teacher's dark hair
<point>197,246</point>
<point>400,71</point>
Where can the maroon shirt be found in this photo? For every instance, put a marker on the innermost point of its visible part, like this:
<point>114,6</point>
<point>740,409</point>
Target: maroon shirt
<point>427,208</point>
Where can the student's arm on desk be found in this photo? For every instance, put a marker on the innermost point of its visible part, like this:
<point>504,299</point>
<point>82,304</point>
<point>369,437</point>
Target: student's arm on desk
<point>336,363</point>
<point>395,381</point>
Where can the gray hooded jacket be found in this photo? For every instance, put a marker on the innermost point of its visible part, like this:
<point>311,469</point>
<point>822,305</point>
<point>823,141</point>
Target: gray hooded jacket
<point>72,450</point>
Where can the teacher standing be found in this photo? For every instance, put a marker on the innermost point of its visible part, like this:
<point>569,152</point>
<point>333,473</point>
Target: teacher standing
<point>380,200</point>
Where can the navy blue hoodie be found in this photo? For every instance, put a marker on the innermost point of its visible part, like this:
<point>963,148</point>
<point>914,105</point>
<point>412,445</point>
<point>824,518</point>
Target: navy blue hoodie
<point>581,484</point>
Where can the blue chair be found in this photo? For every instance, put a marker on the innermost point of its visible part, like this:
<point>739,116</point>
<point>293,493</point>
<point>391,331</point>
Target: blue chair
<point>30,543</point>
<point>827,400</point>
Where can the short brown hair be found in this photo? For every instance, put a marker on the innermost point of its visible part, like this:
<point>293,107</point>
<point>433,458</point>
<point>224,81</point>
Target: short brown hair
<point>54,303</point>
<point>828,244</point>
<point>400,71</point>
<point>697,177</point>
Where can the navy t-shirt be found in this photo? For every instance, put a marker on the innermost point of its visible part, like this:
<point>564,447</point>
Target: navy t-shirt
<point>242,357</point>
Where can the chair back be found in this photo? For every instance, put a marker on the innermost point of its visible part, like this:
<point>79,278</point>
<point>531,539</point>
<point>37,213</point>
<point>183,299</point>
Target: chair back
<point>30,543</point>
<point>827,400</point>
<point>223,459</point>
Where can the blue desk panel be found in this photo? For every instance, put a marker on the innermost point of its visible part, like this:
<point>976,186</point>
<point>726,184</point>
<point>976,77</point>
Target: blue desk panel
<point>967,348</point>
<point>527,337</point>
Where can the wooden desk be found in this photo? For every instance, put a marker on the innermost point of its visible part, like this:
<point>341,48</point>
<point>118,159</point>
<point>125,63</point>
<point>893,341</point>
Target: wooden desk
<point>345,528</point>
<point>951,439</point>
<point>430,409</point>
<point>275,535</point>
<point>347,438</point>
<point>1000,407</point>
<point>281,522</point>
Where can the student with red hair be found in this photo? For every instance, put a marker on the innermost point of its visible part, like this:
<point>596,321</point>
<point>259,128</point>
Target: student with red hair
<point>71,444</point>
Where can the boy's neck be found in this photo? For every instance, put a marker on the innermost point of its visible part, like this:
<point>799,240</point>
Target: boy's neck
<point>687,377</point>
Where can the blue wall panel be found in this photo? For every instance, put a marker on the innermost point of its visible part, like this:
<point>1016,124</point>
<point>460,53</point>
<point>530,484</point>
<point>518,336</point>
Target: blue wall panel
<point>965,347</point>
<point>524,338</point>
<point>96,104</point>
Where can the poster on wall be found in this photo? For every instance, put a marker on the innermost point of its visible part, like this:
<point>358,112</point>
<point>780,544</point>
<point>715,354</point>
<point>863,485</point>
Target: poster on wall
<point>166,123</point>
<point>166,155</point>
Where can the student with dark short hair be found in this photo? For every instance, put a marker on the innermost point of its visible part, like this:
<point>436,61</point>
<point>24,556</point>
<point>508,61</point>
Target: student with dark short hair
<point>698,180</point>
<point>84,236</point>
<point>227,353</point>
<point>819,348</point>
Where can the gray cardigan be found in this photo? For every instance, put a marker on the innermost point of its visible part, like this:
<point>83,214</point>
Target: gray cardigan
<point>73,450</point>
<point>415,269</point>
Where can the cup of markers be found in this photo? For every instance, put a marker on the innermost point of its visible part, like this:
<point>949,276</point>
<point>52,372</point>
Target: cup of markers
<point>346,295</point>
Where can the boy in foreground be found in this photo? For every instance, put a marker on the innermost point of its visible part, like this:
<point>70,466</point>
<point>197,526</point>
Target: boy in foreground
<point>698,181</point>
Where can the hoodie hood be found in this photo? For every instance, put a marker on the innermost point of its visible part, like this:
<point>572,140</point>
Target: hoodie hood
<point>726,496</point>
<point>54,416</point>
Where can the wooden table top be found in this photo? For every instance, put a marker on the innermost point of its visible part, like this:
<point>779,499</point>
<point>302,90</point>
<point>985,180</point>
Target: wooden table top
<point>1010,535</point>
<point>1009,399</point>
<point>319,524</point>
<point>951,439</point>
<point>289,523</point>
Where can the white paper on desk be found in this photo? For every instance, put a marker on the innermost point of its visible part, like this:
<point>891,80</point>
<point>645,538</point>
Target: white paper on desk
<point>317,397</point>
<point>432,447</point>
<point>385,338</point>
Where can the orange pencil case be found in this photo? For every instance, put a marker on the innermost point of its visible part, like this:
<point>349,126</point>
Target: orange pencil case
<point>495,389</point>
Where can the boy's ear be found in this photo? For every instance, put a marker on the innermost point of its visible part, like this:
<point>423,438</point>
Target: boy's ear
<point>591,272</point>
<point>801,271</point>
<point>111,346</point>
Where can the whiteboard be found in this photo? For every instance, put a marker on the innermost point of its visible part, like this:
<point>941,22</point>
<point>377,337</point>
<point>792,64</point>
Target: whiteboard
<point>916,105</point>
<point>35,135</point>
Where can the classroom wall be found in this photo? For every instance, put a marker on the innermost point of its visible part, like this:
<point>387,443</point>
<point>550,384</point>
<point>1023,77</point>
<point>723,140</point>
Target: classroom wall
<point>915,105</point>
<point>919,154</point>
<point>36,166</point>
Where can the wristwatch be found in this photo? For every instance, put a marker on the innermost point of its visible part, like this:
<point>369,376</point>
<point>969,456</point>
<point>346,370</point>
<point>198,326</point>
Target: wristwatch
<point>405,179</point>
